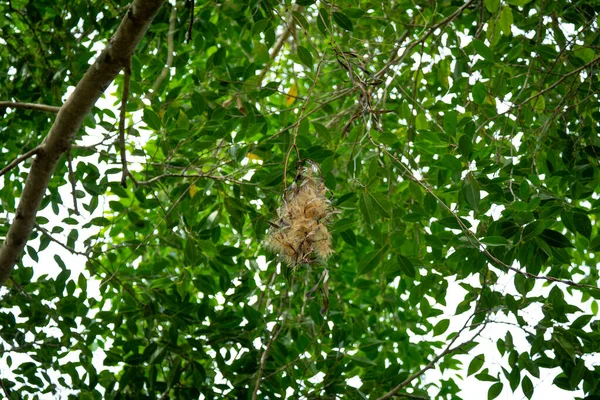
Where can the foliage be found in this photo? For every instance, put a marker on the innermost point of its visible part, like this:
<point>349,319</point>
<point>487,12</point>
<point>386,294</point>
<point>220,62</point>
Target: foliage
<point>458,142</point>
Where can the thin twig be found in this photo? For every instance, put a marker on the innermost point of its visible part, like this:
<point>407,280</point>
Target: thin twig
<point>474,240</point>
<point>278,46</point>
<point>126,80</point>
<point>448,350</point>
<point>558,82</point>
<point>29,106</point>
<point>395,59</point>
<point>191,26</point>
<point>263,360</point>
<point>170,50</point>
<point>20,159</point>
<point>72,180</point>
<point>58,242</point>
<point>193,176</point>
<point>300,116</point>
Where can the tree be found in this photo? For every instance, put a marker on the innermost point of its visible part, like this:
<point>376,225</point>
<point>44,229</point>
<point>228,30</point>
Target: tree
<point>434,148</point>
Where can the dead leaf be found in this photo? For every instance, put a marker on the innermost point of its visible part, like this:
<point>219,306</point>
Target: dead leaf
<point>292,94</point>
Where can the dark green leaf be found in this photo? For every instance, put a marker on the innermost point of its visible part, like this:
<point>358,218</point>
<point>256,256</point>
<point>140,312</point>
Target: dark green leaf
<point>342,21</point>
<point>305,56</point>
<point>555,239</point>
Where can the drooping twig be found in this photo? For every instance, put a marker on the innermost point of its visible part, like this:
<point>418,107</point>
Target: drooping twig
<point>395,58</point>
<point>29,106</point>
<point>170,49</point>
<point>72,180</point>
<point>19,160</point>
<point>558,82</point>
<point>448,350</point>
<point>263,359</point>
<point>191,26</point>
<point>143,242</point>
<point>68,122</point>
<point>474,240</point>
<point>126,79</point>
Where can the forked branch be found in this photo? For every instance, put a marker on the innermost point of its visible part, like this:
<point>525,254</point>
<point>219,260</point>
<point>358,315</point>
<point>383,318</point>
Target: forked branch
<point>68,121</point>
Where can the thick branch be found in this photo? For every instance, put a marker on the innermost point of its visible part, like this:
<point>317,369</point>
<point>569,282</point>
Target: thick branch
<point>68,121</point>
<point>29,106</point>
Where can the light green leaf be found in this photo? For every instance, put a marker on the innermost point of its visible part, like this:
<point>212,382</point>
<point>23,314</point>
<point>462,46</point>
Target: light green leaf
<point>479,92</point>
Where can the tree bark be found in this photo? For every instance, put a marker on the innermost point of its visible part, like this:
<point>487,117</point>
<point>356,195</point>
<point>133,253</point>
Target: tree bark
<point>68,121</point>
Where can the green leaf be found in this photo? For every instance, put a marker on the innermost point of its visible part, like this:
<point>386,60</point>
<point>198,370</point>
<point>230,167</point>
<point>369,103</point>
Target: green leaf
<point>585,53</point>
<point>555,239</point>
<point>483,50</point>
<point>465,146</point>
<point>451,162</point>
<point>305,56</point>
<point>527,387</point>
<point>342,21</point>
<point>479,92</point>
<point>539,104</point>
<point>594,244</point>
<point>471,192</point>
<point>506,20</point>
<point>582,224</point>
<point>476,364</point>
<point>495,390</point>
<point>449,122</point>
<point>152,119</point>
<point>494,241</point>
<point>383,206</point>
<point>421,122</point>
<point>492,5</point>
<point>369,262</point>
<point>406,266</point>
<point>441,327</point>
<point>349,237</point>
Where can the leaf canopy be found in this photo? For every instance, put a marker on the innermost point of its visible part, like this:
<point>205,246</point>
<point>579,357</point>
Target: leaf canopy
<point>458,145</point>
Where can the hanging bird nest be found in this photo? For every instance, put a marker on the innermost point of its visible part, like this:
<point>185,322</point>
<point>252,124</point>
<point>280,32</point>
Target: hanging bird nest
<point>300,234</point>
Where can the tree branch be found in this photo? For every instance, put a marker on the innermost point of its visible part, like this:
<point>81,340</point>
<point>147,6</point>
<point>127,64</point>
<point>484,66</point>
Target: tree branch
<point>72,180</point>
<point>98,77</point>
<point>192,176</point>
<point>170,49</point>
<point>473,239</point>
<point>277,48</point>
<point>263,360</point>
<point>395,59</point>
<point>448,350</point>
<point>29,106</point>
<point>558,82</point>
<point>126,79</point>
<point>19,160</point>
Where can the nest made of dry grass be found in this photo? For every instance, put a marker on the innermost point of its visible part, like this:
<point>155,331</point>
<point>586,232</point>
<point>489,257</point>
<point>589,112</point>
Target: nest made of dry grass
<point>300,234</point>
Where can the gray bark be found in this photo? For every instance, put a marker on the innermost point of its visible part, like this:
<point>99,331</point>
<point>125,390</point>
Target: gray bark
<point>68,121</point>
